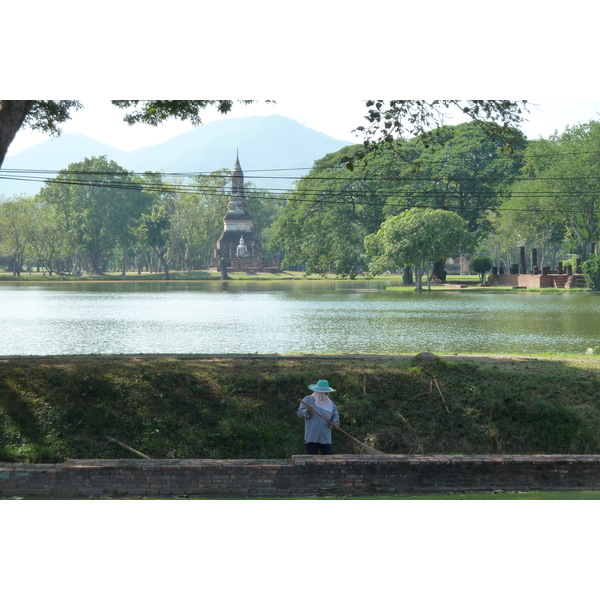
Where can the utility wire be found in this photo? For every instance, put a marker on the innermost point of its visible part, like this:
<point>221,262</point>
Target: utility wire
<point>349,198</point>
<point>306,193</point>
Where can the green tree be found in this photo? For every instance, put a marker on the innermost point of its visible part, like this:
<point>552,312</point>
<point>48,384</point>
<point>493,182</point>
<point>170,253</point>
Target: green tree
<point>470,173</point>
<point>41,115</point>
<point>397,119</point>
<point>45,235</point>
<point>13,238</point>
<point>591,272</point>
<point>209,203</point>
<point>154,228</point>
<point>98,202</point>
<point>561,185</point>
<point>481,265</point>
<point>326,218</point>
<point>420,237</point>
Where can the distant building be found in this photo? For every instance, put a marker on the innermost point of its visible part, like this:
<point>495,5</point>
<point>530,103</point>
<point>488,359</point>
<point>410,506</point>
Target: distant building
<point>237,249</point>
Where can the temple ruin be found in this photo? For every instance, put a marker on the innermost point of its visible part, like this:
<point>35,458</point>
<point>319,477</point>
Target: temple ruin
<point>562,277</point>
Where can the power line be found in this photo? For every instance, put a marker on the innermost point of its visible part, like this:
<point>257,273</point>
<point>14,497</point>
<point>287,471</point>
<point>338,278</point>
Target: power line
<point>349,198</point>
<point>36,176</point>
<point>306,193</point>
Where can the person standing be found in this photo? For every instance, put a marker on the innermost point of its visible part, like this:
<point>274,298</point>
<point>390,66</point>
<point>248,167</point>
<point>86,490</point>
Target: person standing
<point>317,430</point>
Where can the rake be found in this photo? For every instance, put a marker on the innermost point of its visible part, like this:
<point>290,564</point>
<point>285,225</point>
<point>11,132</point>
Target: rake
<point>368,449</point>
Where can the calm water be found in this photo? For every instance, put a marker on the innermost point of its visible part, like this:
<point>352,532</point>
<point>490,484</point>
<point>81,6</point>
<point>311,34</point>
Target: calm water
<point>282,317</point>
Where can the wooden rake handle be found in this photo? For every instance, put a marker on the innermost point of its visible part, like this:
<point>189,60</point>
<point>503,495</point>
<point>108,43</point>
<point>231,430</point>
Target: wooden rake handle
<point>338,428</point>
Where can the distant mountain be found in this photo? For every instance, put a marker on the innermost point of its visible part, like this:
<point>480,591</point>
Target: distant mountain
<point>264,144</point>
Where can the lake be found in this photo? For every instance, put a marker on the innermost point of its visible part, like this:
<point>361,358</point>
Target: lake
<point>216,317</point>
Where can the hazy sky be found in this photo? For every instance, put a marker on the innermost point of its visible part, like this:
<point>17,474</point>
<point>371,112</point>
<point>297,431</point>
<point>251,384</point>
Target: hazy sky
<point>100,120</point>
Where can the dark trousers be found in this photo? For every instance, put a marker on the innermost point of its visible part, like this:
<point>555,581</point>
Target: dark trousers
<point>314,447</point>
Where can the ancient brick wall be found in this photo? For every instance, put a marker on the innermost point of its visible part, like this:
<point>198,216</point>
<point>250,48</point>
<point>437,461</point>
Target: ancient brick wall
<point>522,280</point>
<point>301,476</point>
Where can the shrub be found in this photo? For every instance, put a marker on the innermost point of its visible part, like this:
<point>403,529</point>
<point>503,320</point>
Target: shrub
<point>481,265</point>
<point>591,272</point>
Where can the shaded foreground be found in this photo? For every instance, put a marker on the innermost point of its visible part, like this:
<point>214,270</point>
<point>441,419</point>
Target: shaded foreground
<point>58,408</point>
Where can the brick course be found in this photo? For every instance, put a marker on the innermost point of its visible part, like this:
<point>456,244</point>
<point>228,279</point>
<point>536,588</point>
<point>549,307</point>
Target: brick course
<point>302,476</point>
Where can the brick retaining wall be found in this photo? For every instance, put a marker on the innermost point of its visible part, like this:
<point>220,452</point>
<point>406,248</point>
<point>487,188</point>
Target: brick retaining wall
<point>302,476</point>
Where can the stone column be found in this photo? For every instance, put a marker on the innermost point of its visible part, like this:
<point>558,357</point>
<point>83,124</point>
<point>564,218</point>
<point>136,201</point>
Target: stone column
<point>534,263</point>
<point>522,269</point>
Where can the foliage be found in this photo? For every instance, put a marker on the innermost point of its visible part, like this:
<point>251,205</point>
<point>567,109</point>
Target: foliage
<point>13,241</point>
<point>469,173</point>
<point>95,216</point>
<point>393,119</point>
<point>385,123</point>
<point>419,237</point>
<point>560,187</point>
<point>481,265</point>
<point>326,218</point>
<point>154,112</point>
<point>47,115</point>
<point>591,272</point>
<point>99,203</point>
<point>42,115</point>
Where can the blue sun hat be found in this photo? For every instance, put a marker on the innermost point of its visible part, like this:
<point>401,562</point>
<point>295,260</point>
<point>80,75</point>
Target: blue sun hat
<point>321,386</point>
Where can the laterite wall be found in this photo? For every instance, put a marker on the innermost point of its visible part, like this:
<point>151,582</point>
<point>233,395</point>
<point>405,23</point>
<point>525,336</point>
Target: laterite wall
<point>301,476</point>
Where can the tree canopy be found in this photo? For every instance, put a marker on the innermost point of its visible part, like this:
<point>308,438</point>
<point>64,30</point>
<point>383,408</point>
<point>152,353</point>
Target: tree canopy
<point>333,208</point>
<point>561,180</point>
<point>418,237</point>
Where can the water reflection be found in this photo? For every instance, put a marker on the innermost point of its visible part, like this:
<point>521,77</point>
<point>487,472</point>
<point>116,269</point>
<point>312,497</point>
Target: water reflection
<point>287,317</point>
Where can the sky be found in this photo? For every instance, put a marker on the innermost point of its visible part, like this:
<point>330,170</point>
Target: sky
<point>104,122</point>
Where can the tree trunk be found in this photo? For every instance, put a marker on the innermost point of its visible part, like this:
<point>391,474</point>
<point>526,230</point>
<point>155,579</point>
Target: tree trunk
<point>418,277</point>
<point>12,116</point>
<point>438,272</point>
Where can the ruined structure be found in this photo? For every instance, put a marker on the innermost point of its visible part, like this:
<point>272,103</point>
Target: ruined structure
<point>237,249</point>
<point>538,278</point>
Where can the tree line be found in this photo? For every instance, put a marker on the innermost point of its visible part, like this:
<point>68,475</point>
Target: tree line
<point>404,205</point>
<point>95,217</point>
<point>540,194</point>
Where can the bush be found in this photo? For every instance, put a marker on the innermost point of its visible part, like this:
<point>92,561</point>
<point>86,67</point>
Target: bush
<point>591,272</point>
<point>481,265</point>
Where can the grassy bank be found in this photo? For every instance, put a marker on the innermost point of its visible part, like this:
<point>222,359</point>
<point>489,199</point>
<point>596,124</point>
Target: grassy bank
<point>55,408</point>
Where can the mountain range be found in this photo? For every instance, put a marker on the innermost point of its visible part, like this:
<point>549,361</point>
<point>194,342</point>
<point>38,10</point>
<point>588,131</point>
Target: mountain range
<point>272,143</point>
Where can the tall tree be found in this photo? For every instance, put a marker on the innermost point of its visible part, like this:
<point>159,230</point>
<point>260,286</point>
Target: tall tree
<point>333,209</point>
<point>562,182</point>
<point>13,238</point>
<point>98,201</point>
<point>324,223</point>
<point>470,173</point>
